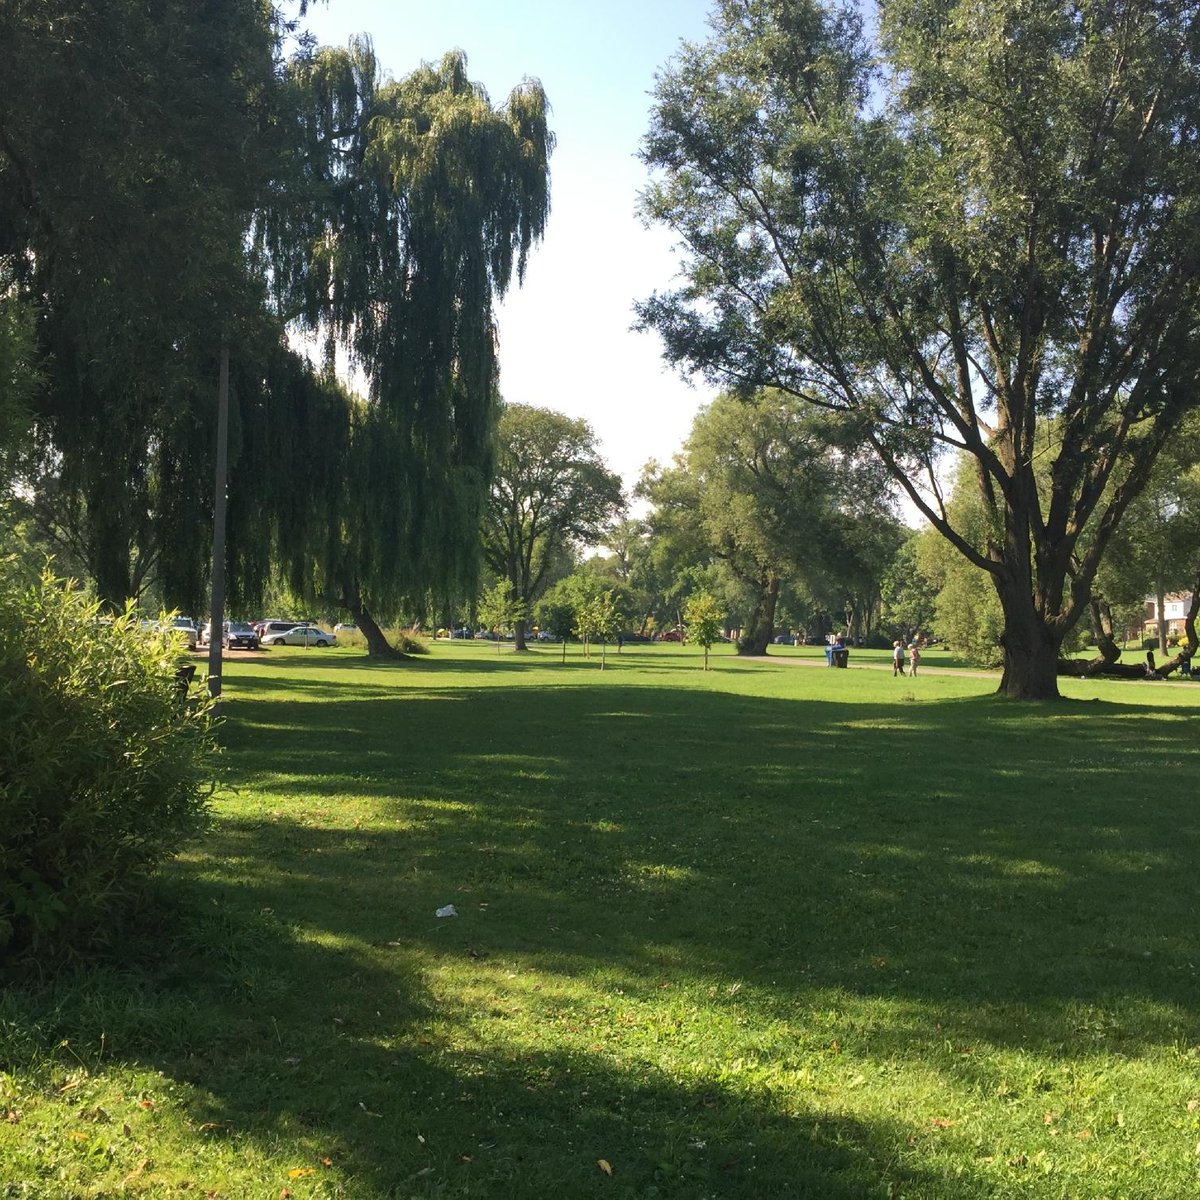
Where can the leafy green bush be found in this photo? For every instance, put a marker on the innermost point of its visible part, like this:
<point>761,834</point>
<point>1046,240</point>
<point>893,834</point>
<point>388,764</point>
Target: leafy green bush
<point>105,764</point>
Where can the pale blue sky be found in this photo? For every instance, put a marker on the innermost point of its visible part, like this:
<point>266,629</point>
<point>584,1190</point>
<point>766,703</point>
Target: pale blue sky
<point>565,341</point>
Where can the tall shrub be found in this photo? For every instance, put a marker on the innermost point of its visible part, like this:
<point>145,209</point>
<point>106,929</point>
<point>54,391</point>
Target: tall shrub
<point>106,765</point>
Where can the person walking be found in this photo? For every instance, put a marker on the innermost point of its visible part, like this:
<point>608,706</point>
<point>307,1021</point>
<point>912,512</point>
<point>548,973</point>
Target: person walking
<point>897,658</point>
<point>914,657</point>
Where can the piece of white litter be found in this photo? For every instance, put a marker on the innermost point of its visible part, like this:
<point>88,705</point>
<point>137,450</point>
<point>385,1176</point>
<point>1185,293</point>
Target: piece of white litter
<point>448,911</point>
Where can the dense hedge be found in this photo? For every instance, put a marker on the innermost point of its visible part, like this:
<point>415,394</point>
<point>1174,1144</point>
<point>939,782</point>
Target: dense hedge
<point>105,767</point>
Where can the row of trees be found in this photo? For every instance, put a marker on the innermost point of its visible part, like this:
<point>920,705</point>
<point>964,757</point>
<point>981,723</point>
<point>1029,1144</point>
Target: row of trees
<point>763,510</point>
<point>766,516</point>
<point>968,233</point>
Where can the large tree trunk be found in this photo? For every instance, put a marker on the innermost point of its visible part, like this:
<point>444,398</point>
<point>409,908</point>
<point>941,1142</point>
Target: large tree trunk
<point>109,554</point>
<point>1160,599</point>
<point>757,637</point>
<point>1077,668</point>
<point>377,644</point>
<point>519,634</point>
<point>1100,612</point>
<point>1102,629</point>
<point>1030,649</point>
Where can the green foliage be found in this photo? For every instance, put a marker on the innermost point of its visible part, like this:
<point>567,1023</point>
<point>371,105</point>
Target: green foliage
<point>704,617</point>
<point>498,611</point>
<point>417,204</point>
<point>608,618</point>
<point>907,596</point>
<point>967,614</point>
<point>406,641</point>
<point>105,769</point>
<point>761,489</point>
<point>1157,548</point>
<point>17,378</point>
<point>950,228</point>
<point>551,494</point>
<point>555,613</point>
<point>134,150</point>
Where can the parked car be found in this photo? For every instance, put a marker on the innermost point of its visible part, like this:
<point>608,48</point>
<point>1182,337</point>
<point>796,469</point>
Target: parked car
<point>301,635</point>
<point>671,635</point>
<point>271,625</point>
<point>237,636</point>
<point>187,627</point>
<point>345,627</point>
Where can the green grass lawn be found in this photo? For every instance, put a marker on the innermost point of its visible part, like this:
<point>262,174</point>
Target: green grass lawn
<point>765,931</point>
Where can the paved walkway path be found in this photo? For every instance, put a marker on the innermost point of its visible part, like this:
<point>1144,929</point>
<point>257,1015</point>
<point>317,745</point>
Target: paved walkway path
<point>887,666</point>
<point>791,661</point>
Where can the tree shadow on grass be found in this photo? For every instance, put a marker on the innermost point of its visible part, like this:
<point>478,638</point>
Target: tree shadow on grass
<point>971,852</point>
<point>1002,876</point>
<point>310,1055</point>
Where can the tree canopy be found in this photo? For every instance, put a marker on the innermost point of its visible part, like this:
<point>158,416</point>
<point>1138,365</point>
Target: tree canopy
<point>132,154</point>
<point>170,185</point>
<point>551,495</point>
<point>767,494</point>
<point>420,201</point>
<point>983,218</point>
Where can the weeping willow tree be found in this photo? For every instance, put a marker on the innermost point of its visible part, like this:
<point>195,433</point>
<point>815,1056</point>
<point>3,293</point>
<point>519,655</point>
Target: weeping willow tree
<point>418,200</point>
<point>132,155</point>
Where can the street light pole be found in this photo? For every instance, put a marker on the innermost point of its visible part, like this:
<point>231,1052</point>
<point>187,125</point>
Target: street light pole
<point>216,626</point>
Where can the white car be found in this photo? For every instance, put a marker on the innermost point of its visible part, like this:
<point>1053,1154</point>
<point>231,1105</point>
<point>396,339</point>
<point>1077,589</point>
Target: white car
<point>187,627</point>
<point>302,635</point>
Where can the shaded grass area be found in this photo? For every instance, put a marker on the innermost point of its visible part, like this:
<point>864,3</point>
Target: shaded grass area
<point>762,932</point>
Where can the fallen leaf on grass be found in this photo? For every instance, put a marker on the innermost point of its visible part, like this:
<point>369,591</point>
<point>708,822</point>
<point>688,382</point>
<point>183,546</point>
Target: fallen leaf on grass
<point>368,1111</point>
<point>211,1126</point>
<point>1048,1118</point>
<point>76,1136</point>
<point>145,1104</point>
<point>327,1162</point>
<point>1193,1105</point>
<point>942,1122</point>
<point>1084,1134</point>
<point>604,1165</point>
<point>300,1172</point>
<point>12,1116</point>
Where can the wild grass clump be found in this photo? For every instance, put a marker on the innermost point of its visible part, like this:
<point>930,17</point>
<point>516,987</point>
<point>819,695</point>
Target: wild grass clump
<point>106,765</point>
<point>407,641</point>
